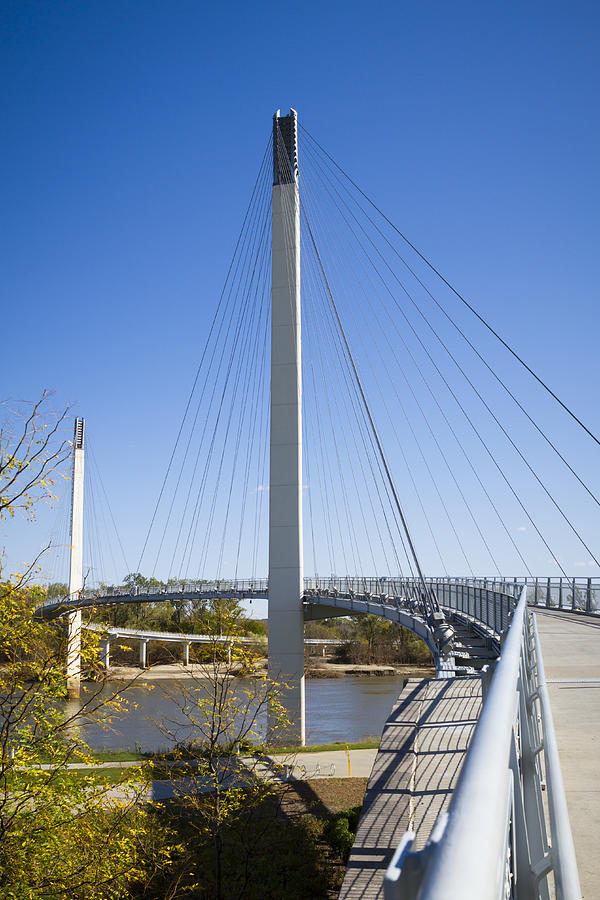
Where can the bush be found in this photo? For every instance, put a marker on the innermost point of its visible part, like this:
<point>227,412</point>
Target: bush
<point>340,831</point>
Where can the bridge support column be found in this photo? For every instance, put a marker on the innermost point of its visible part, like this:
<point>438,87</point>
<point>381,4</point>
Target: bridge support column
<point>73,667</point>
<point>143,654</point>
<point>105,654</point>
<point>186,654</point>
<point>286,620</point>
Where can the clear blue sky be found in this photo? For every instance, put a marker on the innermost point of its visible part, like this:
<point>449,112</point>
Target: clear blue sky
<point>132,133</point>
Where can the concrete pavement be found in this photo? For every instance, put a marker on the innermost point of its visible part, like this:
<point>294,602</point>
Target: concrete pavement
<point>571,655</point>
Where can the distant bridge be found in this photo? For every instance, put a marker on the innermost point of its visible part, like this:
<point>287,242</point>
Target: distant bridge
<point>110,633</point>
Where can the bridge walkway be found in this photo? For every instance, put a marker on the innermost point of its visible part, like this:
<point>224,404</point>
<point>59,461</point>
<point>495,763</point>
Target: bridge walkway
<point>422,749</point>
<point>571,654</point>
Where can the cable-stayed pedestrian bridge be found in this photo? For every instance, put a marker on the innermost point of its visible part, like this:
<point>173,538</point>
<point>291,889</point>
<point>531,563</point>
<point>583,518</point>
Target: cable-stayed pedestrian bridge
<point>285,455</point>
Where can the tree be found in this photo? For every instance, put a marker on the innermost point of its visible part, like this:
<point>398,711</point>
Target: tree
<point>219,733</point>
<point>31,451</point>
<point>372,629</point>
<point>61,834</point>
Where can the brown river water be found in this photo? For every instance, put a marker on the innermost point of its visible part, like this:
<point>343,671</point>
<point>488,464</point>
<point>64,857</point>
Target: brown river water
<point>337,709</point>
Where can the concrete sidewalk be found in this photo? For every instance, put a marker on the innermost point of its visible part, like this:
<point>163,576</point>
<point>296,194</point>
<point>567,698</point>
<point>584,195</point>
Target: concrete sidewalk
<point>304,765</point>
<point>571,654</point>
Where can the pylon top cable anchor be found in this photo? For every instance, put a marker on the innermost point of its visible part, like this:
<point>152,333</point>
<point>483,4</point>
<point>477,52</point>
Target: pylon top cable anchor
<point>285,148</point>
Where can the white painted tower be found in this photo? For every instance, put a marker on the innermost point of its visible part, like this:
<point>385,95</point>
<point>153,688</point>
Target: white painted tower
<point>76,562</point>
<point>286,618</point>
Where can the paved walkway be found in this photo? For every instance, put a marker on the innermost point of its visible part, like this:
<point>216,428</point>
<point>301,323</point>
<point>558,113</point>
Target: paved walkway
<point>325,763</point>
<point>571,654</point>
<point>421,753</point>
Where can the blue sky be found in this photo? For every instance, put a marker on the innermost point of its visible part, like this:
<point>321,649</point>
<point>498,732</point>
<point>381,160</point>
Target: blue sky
<point>132,136</point>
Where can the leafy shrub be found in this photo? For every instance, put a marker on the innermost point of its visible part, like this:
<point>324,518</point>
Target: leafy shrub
<point>340,830</point>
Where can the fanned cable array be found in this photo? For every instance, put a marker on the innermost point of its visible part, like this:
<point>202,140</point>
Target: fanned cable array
<point>210,515</point>
<point>104,558</point>
<point>429,445</point>
<point>478,468</point>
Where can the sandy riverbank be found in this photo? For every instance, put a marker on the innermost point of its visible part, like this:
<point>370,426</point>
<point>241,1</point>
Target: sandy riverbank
<point>320,668</point>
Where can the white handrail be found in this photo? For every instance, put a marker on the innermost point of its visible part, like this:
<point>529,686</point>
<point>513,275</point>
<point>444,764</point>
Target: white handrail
<point>470,860</point>
<point>494,842</point>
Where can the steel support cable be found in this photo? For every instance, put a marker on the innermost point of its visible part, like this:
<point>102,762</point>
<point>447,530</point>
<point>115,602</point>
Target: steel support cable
<point>246,407</point>
<point>428,595</point>
<point>424,348</point>
<point>334,256</point>
<point>238,291</point>
<point>108,506</point>
<point>255,406</point>
<point>366,437</point>
<point>311,412</point>
<point>416,490</point>
<point>306,468</point>
<point>234,331</point>
<point>239,263</point>
<point>241,375</point>
<point>457,294</point>
<point>482,359</point>
<point>362,420</point>
<point>239,335</point>
<point>93,543</point>
<point>247,387</point>
<point>391,500</point>
<point>459,444</point>
<point>351,536</point>
<point>261,475</point>
<point>208,460</point>
<point>103,521</point>
<point>479,395</point>
<point>57,542</point>
<point>327,382</point>
<point>407,380</point>
<point>354,552</point>
<point>343,394</point>
<point>324,345</point>
<point>89,535</point>
<point>414,485</point>
<point>208,340</point>
<point>263,432</point>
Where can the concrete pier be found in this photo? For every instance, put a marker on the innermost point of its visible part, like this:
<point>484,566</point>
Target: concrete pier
<point>286,585</point>
<point>73,667</point>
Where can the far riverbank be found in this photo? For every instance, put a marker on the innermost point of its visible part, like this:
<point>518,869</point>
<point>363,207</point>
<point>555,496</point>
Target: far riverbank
<point>315,668</point>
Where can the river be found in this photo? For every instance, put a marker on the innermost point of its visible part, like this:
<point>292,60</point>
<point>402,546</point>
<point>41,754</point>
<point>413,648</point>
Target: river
<point>337,709</point>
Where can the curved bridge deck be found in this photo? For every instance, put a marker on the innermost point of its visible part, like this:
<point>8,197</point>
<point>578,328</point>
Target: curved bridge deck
<point>422,748</point>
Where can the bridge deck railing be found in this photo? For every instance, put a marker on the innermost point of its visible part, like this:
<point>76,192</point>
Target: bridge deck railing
<point>495,840</point>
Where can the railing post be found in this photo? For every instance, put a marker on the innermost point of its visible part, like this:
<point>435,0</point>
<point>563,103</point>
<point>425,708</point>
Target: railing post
<point>560,594</point>
<point>588,598</point>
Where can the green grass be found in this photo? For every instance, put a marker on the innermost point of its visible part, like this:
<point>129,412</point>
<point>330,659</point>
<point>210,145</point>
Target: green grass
<point>371,743</point>
<point>368,744</point>
<point>120,755</point>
